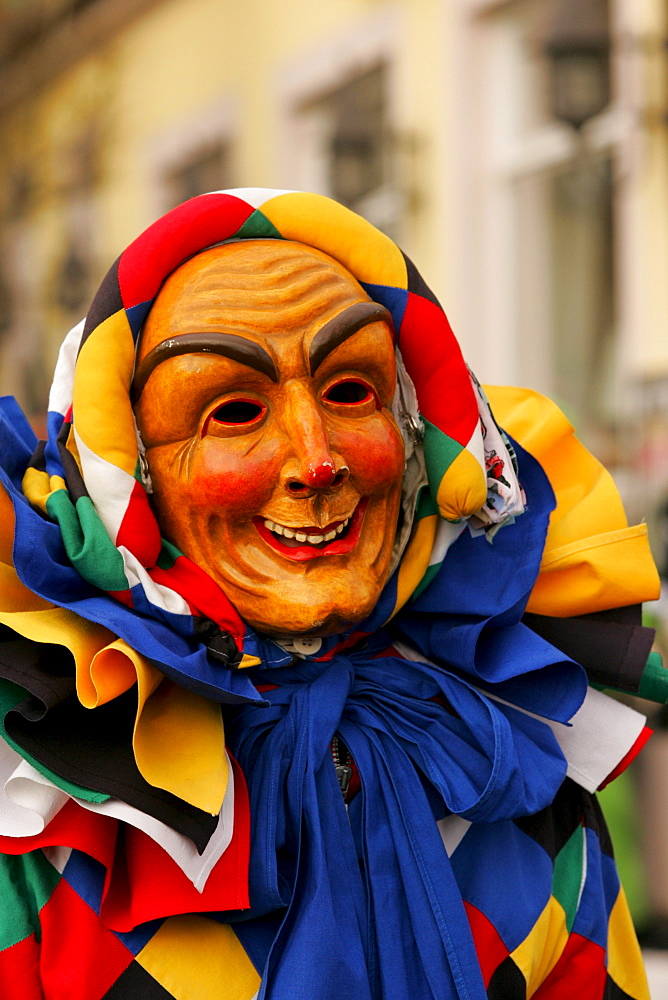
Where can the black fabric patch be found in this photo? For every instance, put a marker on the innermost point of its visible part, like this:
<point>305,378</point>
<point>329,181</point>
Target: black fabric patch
<point>613,992</point>
<point>614,653</point>
<point>629,614</point>
<point>507,983</point>
<point>46,671</point>
<point>592,815</point>
<point>553,826</point>
<point>137,984</point>
<point>92,748</point>
<point>38,459</point>
<point>75,484</point>
<point>416,283</point>
<point>106,302</point>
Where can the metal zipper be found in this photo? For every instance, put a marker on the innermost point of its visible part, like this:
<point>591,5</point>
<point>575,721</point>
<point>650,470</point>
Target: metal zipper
<point>342,763</point>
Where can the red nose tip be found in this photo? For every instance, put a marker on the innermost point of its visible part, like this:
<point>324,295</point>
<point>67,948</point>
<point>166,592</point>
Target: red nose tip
<point>321,476</point>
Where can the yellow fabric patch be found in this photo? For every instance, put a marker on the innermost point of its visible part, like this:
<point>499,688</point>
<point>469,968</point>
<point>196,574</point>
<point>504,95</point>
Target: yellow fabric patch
<point>111,672</point>
<point>38,486</point>
<point>609,570</point>
<point>102,413</point>
<point>367,253</point>
<point>541,950</point>
<point>625,965</point>
<point>463,488</point>
<point>15,596</point>
<point>179,745</point>
<point>58,626</point>
<point>195,958</point>
<point>178,739</point>
<point>249,661</point>
<point>73,449</point>
<point>592,559</point>
<point>415,559</point>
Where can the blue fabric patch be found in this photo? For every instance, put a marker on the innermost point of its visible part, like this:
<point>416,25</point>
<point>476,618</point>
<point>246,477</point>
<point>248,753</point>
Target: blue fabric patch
<point>136,316</point>
<point>477,863</point>
<point>86,876</point>
<point>394,299</point>
<point>17,441</point>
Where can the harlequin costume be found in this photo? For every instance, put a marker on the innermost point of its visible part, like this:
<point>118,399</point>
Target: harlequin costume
<point>172,822</point>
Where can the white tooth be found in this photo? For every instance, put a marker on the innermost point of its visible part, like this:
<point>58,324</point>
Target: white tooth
<point>345,523</point>
<point>269,524</point>
<point>300,536</point>
<point>339,529</point>
<point>315,539</point>
<point>278,530</point>
<point>330,535</point>
<point>288,533</point>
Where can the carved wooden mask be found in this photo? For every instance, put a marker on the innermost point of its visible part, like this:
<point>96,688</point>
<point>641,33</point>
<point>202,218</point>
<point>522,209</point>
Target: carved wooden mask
<point>264,380</point>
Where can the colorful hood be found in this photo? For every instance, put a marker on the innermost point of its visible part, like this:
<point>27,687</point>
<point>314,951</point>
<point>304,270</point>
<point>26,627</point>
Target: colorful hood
<point>89,477</point>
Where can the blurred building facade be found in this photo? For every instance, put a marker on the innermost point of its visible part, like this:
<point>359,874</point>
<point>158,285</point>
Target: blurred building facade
<point>548,244</point>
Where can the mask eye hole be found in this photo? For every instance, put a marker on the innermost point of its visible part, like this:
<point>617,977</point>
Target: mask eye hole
<point>238,411</point>
<point>349,392</point>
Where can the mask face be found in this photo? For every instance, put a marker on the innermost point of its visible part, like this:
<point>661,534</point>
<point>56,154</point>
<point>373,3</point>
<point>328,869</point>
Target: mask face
<point>275,461</point>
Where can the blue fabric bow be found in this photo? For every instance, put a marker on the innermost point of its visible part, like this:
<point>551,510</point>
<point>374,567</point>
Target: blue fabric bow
<point>363,905</point>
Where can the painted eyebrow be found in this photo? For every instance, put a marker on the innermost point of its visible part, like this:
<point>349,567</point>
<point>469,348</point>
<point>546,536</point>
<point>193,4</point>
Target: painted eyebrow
<point>343,326</point>
<point>247,352</point>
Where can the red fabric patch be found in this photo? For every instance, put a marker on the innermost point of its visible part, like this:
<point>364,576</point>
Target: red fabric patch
<point>124,596</point>
<point>146,883</point>
<point>490,949</point>
<point>19,971</point>
<point>184,231</point>
<point>200,591</point>
<point>340,646</point>
<point>80,957</point>
<point>142,881</point>
<point>626,760</point>
<point>73,827</point>
<point>434,361</point>
<point>139,531</point>
<point>579,974</point>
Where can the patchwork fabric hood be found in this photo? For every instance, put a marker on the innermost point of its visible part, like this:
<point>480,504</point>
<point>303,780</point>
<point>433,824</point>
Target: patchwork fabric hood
<point>91,478</point>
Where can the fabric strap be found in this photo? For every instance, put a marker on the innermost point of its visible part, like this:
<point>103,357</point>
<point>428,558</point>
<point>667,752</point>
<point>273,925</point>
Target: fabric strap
<point>371,906</point>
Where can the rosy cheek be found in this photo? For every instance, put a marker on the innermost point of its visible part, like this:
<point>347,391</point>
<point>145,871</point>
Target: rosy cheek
<point>234,478</point>
<point>375,456</point>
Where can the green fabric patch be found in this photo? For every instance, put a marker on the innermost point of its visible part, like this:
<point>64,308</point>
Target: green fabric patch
<point>654,680</point>
<point>10,696</point>
<point>425,506</point>
<point>567,875</point>
<point>26,884</point>
<point>168,555</point>
<point>429,575</point>
<point>257,227</point>
<point>440,451</point>
<point>88,546</point>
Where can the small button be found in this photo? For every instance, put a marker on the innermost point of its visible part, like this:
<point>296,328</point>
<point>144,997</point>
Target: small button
<point>308,646</point>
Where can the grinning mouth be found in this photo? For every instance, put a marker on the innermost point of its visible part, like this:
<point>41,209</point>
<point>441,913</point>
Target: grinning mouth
<point>310,542</point>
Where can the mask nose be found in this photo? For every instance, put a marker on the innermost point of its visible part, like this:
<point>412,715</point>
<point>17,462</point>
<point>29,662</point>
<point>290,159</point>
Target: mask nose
<point>324,477</point>
<point>313,466</point>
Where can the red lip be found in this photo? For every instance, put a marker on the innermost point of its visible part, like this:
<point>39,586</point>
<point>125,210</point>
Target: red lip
<point>338,547</point>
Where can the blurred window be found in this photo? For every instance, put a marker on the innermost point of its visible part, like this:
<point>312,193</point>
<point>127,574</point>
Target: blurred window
<point>347,149</point>
<point>206,168</point>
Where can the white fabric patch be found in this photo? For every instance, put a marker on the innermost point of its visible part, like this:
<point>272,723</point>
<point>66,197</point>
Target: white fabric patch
<point>452,829</point>
<point>60,395</point>
<point>30,800</point>
<point>255,196</point>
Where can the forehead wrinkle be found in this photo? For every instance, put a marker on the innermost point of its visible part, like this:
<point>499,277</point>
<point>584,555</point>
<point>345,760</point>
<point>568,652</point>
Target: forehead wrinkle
<point>261,288</point>
<point>263,310</point>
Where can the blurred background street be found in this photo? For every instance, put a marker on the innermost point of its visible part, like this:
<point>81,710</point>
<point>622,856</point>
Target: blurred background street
<point>516,149</point>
